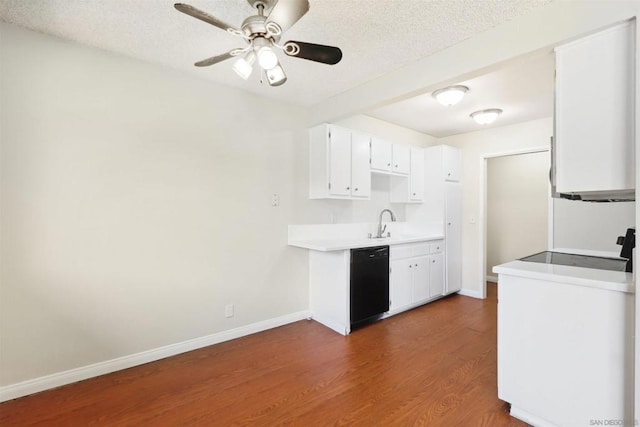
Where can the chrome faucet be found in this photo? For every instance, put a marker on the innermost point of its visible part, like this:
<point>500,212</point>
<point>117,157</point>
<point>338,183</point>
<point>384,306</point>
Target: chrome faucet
<point>380,228</point>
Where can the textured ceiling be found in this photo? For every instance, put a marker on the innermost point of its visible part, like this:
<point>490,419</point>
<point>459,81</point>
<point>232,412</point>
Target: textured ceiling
<point>376,36</point>
<point>523,90</point>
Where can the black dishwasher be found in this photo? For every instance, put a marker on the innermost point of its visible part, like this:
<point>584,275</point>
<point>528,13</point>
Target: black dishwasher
<point>369,284</point>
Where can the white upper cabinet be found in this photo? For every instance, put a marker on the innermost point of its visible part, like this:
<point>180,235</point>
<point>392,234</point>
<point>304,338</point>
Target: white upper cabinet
<point>595,113</point>
<point>409,189</point>
<point>341,162</point>
<point>451,158</point>
<point>381,155</point>
<point>390,158</point>
<point>401,159</point>
<point>338,164</point>
<point>360,170</point>
<point>416,175</point>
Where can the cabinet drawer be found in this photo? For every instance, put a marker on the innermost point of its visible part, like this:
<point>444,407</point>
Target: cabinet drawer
<point>436,247</point>
<point>401,251</point>
<point>419,249</point>
<point>410,250</point>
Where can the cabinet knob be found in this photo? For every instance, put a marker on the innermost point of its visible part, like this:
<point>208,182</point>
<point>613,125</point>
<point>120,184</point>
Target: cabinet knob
<point>396,165</point>
<point>355,189</point>
<point>348,188</point>
<point>433,261</point>
<point>409,265</point>
<point>416,265</point>
<point>388,164</point>
<point>447,223</point>
<point>449,174</point>
<point>414,194</point>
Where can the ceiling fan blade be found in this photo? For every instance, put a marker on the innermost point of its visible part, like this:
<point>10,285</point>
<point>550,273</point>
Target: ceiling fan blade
<point>214,59</point>
<point>313,52</point>
<point>287,12</point>
<point>203,16</point>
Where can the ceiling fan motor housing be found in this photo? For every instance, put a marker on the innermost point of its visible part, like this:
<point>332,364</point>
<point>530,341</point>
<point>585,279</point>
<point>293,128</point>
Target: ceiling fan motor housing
<point>267,4</point>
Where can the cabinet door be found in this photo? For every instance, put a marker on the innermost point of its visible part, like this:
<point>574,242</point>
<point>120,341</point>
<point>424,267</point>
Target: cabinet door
<point>416,176</point>
<point>453,236</point>
<point>339,162</point>
<point>400,284</point>
<point>401,159</point>
<point>420,269</point>
<point>594,112</point>
<point>360,171</point>
<point>452,160</point>
<point>380,155</point>
<point>436,275</point>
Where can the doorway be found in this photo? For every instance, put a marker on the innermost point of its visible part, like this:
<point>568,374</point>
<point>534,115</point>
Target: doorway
<point>516,207</point>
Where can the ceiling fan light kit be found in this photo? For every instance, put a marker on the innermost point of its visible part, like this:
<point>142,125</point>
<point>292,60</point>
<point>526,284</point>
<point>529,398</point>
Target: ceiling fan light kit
<point>486,117</point>
<point>262,34</point>
<point>451,95</point>
<point>244,66</point>
<point>276,76</point>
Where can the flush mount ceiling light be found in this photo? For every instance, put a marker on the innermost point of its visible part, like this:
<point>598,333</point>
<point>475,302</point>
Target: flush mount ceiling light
<point>262,34</point>
<point>451,95</point>
<point>486,117</point>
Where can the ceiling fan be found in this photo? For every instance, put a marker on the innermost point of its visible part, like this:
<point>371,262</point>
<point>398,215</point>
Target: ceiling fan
<point>262,33</point>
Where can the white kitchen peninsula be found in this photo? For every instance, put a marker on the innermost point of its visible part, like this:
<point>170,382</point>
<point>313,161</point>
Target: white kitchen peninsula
<point>329,266</point>
<point>565,343</point>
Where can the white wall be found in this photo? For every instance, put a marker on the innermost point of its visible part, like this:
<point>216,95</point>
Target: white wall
<point>476,146</point>
<point>517,207</point>
<point>592,226</point>
<point>136,203</point>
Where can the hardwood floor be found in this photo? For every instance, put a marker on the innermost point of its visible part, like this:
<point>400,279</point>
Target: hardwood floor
<point>434,365</point>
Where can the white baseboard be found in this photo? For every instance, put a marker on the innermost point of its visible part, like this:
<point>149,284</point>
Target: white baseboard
<point>36,385</point>
<point>469,293</point>
<point>330,324</point>
<point>493,279</point>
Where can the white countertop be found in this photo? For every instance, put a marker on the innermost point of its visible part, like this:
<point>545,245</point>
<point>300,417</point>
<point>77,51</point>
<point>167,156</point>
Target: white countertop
<point>337,244</point>
<point>590,277</point>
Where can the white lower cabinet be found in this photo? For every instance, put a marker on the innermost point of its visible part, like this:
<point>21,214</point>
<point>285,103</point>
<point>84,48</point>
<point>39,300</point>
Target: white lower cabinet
<point>436,275</point>
<point>417,274</point>
<point>400,283</point>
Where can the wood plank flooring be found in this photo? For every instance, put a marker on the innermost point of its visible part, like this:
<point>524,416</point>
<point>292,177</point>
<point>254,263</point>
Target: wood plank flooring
<point>432,366</point>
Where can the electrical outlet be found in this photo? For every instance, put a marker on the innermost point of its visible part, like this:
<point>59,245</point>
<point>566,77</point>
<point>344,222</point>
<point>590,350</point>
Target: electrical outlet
<point>228,310</point>
<point>275,200</point>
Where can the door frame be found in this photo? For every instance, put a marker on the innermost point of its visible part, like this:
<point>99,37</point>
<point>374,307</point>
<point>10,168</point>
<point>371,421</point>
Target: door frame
<point>483,208</point>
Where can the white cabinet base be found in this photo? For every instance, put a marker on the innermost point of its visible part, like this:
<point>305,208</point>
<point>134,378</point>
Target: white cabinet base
<point>528,418</point>
<point>329,301</point>
<point>564,352</point>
